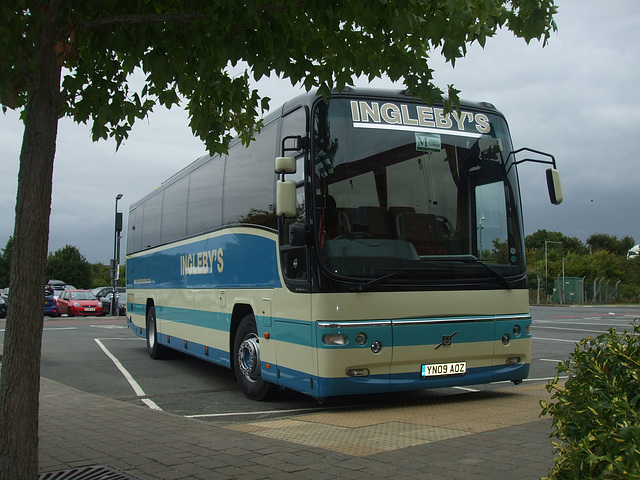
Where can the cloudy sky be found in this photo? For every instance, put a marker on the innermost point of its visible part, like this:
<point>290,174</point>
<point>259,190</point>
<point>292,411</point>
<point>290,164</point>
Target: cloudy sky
<point>578,99</point>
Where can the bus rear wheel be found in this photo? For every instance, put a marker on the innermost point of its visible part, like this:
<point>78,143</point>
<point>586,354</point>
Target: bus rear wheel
<point>156,351</point>
<point>246,365</point>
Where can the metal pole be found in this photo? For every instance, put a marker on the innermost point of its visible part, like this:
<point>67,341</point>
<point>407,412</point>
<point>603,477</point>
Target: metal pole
<point>546,265</point>
<point>114,261</point>
<point>563,280</point>
<point>560,291</point>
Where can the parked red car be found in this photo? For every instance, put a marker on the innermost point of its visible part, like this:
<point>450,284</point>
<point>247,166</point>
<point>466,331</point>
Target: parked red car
<point>78,302</point>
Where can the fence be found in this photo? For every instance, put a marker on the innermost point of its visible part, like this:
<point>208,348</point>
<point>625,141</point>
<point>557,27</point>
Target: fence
<point>575,290</point>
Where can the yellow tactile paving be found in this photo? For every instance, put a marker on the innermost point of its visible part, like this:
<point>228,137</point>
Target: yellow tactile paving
<point>370,430</point>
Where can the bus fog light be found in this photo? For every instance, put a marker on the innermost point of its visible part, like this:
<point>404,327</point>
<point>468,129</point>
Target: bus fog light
<point>512,360</point>
<point>376,347</point>
<point>506,339</point>
<point>358,372</point>
<point>517,331</point>
<point>361,339</point>
<point>334,339</point>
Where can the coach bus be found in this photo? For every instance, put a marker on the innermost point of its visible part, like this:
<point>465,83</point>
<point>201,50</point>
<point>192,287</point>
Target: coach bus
<point>364,243</point>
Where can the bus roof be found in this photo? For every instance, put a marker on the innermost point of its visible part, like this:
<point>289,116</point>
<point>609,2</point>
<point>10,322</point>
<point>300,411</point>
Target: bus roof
<point>367,92</point>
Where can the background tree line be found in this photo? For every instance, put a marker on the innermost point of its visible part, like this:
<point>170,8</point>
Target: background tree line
<point>602,256</point>
<point>66,264</point>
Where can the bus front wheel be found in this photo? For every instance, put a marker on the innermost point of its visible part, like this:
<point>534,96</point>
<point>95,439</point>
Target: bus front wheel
<point>246,365</point>
<point>156,351</point>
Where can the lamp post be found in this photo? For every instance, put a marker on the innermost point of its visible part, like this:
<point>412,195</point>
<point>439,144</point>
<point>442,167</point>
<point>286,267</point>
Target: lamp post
<point>563,284</point>
<point>546,263</point>
<point>115,262</point>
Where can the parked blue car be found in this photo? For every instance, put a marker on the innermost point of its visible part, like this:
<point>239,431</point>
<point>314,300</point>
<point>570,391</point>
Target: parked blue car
<point>50,305</point>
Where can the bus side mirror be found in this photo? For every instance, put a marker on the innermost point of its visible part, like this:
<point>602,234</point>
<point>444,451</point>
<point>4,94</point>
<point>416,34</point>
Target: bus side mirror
<point>285,165</point>
<point>286,198</point>
<point>554,186</point>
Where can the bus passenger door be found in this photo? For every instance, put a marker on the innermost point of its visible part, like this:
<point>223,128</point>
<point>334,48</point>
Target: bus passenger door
<point>293,333</point>
<point>291,343</point>
<point>293,238</point>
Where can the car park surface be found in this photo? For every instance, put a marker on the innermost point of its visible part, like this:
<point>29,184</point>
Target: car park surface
<point>453,433</point>
<point>187,386</point>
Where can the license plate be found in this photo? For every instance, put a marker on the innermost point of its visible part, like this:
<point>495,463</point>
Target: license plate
<point>442,369</point>
<point>90,309</point>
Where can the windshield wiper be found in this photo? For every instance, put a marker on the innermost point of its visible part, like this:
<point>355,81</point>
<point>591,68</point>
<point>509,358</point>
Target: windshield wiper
<point>437,259</point>
<point>473,259</point>
<point>365,286</point>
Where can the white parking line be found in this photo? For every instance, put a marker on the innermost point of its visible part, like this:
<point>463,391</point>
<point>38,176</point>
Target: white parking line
<point>550,360</point>
<point>136,388</point>
<point>108,326</point>
<point>466,389</point>
<point>125,339</point>
<point>543,379</point>
<point>50,329</point>
<point>262,412</point>
<point>570,329</point>
<point>556,340</point>
<point>621,323</point>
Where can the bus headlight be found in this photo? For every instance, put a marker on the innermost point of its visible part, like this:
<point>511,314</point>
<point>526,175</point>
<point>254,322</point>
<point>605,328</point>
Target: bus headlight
<point>376,347</point>
<point>358,372</point>
<point>334,339</point>
<point>517,331</point>
<point>361,339</point>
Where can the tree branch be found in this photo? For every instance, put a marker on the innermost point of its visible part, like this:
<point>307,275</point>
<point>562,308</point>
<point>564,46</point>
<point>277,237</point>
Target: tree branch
<point>144,19</point>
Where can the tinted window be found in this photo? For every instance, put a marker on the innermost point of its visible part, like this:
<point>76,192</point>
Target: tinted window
<point>151,221</point>
<point>174,211</point>
<point>250,181</point>
<point>133,240</point>
<point>204,211</point>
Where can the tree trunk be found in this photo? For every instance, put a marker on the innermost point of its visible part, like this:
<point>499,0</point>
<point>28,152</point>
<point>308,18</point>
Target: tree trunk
<point>20,387</point>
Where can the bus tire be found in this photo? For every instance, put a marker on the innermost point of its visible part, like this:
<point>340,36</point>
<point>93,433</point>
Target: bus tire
<point>156,351</point>
<point>246,365</point>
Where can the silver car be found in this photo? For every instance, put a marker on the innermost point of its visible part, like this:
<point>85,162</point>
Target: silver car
<point>105,294</point>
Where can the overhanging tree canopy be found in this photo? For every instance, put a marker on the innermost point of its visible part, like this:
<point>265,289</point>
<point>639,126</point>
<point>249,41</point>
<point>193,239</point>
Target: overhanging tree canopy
<point>185,51</point>
<point>62,58</point>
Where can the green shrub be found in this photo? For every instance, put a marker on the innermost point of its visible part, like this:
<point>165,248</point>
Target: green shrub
<point>629,293</point>
<point>596,414</point>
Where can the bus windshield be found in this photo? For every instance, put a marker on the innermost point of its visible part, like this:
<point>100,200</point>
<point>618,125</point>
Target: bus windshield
<point>407,193</point>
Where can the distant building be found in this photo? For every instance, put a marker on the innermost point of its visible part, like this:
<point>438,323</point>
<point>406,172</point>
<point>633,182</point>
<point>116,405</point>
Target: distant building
<point>633,252</point>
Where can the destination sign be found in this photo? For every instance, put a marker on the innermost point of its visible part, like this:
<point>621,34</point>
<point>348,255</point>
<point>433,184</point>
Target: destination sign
<point>418,118</point>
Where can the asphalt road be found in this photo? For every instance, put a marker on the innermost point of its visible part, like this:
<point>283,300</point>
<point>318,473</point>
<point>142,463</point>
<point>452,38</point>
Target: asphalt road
<point>102,356</point>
